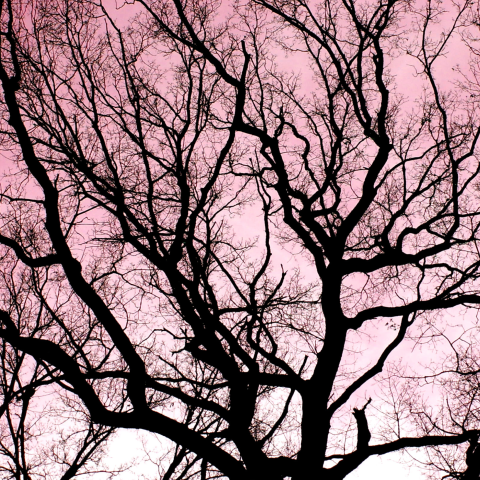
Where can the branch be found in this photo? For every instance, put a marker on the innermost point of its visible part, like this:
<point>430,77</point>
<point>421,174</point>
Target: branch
<point>352,460</point>
<point>146,420</point>
<point>46,261</point>
<point>376,369</point>
<point>425,305</point>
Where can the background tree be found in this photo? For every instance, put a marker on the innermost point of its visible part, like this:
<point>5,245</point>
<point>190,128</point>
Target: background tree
<point>230,248</point>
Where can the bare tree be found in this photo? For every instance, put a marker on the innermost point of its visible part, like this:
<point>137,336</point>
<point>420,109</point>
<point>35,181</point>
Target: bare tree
<point>233,218</point>
<point>42,435</point>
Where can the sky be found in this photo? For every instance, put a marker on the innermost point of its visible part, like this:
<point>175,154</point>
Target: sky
<point>127,445</point>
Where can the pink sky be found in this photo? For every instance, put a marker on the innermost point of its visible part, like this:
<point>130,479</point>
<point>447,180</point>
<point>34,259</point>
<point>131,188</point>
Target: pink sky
<point>129,444</point>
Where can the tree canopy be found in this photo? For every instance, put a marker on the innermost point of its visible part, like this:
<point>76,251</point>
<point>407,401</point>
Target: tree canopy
<point>250,228</point>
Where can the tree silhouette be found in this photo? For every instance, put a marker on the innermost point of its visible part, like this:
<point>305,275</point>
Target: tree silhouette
<point>229,218</point>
